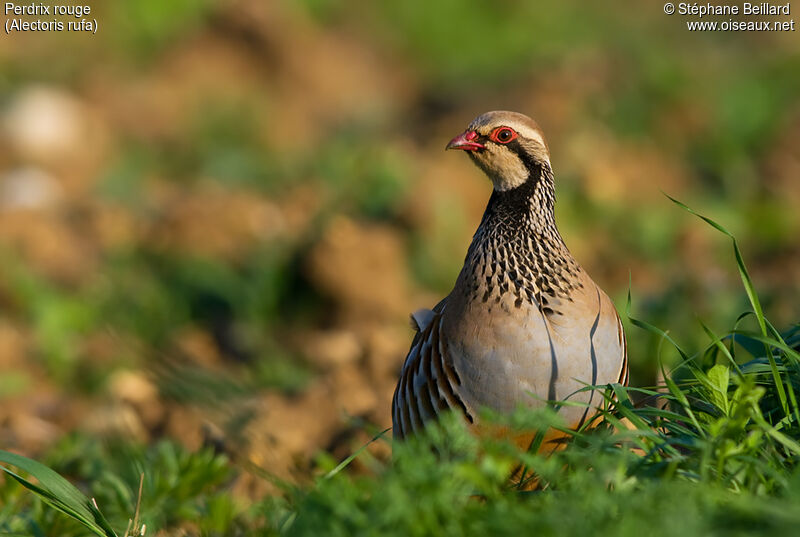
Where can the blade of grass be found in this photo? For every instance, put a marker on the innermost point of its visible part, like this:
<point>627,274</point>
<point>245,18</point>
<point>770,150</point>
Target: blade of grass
<point>349,459</point>
<point>59,492</point>
<point>751,295</point>
<point>716,341</point>
<point>653,329</point>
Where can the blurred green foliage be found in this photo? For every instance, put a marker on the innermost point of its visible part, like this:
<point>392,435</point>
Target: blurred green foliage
<point>143,29</point>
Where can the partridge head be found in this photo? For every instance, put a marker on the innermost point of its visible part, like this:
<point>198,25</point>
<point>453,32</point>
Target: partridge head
<point>524,322</point>
<point>507,146</point>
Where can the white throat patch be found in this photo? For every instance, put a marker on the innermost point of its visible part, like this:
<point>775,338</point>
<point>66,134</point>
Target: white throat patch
<point>503,166</point>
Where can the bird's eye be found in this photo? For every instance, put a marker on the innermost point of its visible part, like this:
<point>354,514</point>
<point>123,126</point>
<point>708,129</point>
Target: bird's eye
<point>503,135</point>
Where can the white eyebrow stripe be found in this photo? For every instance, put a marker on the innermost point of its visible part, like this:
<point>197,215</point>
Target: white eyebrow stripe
<point>527,132</point>
<point>523,125</point>
<point>523,130</point>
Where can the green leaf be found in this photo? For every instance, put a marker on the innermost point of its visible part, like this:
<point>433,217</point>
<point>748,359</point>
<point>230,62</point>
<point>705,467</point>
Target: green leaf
<point>58,492</point>
<point>719,377</point>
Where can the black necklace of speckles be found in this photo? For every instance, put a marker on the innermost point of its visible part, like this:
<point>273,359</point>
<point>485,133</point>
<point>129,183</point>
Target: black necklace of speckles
<point>517,248</point>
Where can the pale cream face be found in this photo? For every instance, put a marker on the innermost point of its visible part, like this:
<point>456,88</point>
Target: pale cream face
<point>500,162</point>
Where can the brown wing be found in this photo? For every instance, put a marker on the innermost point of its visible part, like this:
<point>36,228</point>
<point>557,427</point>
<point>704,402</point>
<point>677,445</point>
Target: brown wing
<point>428,382</point>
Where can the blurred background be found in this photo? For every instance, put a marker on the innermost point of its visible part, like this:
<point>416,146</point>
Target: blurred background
<point>216,216</point>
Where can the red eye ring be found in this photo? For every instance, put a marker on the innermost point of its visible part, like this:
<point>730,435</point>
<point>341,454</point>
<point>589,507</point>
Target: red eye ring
<point>503,135</point>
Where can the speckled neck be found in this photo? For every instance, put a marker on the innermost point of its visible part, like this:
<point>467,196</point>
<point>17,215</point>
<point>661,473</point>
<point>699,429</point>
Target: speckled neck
<point>517,251</point>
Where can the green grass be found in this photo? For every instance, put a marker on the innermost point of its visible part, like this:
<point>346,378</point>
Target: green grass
<point>714,453</point>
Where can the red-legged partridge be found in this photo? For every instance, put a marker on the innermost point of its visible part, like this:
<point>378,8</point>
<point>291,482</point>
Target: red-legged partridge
<point>524,323</point>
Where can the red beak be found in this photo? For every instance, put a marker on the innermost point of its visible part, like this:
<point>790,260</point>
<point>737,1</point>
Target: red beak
<point>466,141</point>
